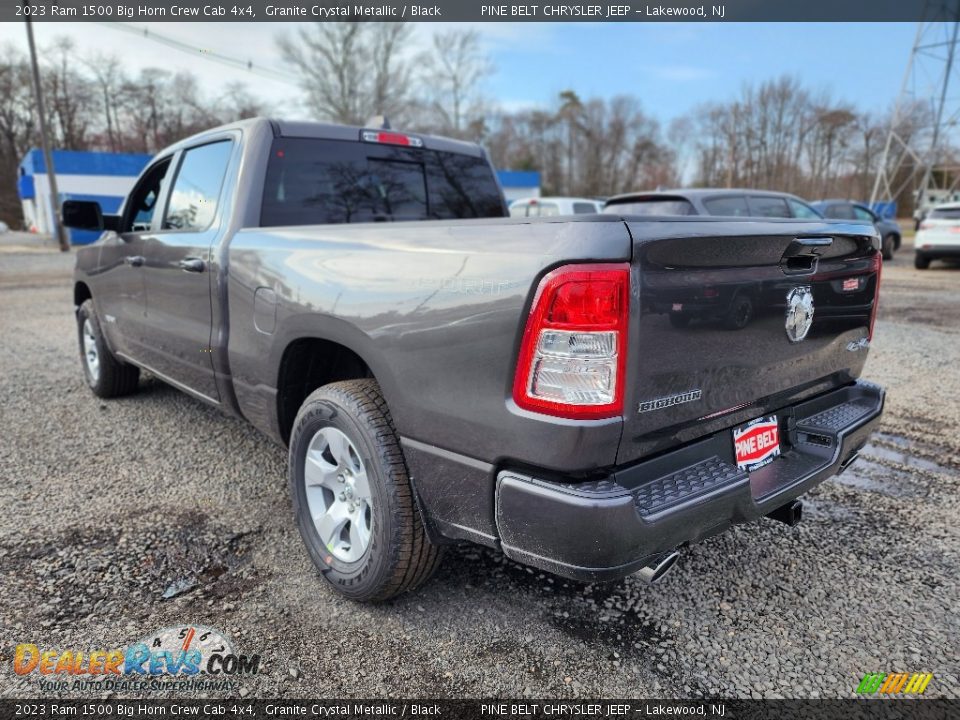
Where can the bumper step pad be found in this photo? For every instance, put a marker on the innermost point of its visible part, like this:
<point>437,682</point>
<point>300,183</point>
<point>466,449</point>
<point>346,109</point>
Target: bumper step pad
<point>839,417</point>
<point>686,484</point>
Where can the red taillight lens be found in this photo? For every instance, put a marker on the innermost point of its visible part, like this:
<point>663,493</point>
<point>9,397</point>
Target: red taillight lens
<point>878,267</point>
<point>572,358</point>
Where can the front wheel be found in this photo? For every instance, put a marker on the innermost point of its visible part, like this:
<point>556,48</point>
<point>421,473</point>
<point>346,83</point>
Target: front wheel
<point>106,375</point>
<point>352,497</point>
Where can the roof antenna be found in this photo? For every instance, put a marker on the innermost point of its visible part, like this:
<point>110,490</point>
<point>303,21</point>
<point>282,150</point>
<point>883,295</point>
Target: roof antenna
<point>379,121</point>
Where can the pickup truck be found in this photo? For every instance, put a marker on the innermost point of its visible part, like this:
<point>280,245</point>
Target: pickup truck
<point>441,372</point>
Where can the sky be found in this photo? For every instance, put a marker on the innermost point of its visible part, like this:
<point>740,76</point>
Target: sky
<point>672,68</point>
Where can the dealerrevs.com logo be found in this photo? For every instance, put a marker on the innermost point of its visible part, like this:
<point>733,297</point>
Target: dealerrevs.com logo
<point>175,658</point>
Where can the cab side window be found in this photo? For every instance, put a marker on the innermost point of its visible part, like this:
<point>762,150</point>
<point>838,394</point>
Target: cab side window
<point>802,210</point>
<point>196,191</point>
<point>138,214</point>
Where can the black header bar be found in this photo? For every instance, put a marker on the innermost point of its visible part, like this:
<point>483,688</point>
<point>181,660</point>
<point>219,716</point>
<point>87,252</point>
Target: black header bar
<point>476,11</point>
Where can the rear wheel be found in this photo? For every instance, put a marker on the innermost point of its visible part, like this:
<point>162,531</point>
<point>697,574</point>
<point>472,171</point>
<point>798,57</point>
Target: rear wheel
<point>105,374</point>
<point>352,497</point>
<point>740,313</point>
<point>921,262</point>
<point>889,244</point>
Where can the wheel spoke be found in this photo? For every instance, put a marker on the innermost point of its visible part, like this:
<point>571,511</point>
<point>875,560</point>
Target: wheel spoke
<point>339,448</point>
<point>318,471</point>
<point>359,535</point>
<point>361,486</point>
<point>330,523</point>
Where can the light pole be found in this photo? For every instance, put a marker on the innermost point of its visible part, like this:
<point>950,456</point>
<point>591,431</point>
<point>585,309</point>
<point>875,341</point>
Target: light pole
<point>47,154</point>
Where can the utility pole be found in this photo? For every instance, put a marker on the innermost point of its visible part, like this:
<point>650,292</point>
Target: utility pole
<point>915,156</point>
<point>58,231</point>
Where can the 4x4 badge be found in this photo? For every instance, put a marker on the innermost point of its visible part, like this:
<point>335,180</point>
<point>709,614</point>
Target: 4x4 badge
<point>799,313</point>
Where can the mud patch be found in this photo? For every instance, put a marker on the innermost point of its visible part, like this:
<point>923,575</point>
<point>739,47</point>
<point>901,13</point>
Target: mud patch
<point>126,568</point>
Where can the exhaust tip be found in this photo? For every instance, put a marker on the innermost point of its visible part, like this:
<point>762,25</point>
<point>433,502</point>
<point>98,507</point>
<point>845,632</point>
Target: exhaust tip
<point>658,566</point>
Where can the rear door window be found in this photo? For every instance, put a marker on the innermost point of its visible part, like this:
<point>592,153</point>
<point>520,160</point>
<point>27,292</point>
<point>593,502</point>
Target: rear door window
<point>584,208</point>
<point>945,214</point>
<point>312,181</point>
<point>862,213</point>
<point>840,211</point>
<point>767,206</point>
<point>802,210</point>
<point>728,206</point>
<point>651,206</point>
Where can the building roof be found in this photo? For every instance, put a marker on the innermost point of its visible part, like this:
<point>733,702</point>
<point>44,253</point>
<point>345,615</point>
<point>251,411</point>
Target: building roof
<point>78,162</point>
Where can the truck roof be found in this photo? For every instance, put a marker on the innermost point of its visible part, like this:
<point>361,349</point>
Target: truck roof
<point>327,131</point>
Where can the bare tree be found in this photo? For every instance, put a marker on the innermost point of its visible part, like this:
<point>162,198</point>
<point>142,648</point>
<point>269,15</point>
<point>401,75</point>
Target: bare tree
<point>453,71</point>
<point>351,71</point>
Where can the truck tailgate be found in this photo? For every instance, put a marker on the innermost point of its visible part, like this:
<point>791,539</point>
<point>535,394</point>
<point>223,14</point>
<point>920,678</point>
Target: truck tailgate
<point>738,319</point>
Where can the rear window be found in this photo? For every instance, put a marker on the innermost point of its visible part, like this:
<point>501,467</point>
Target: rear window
<point>320,182</point>
<point>732,205</point>
<point>773,207</point>
<point>651,206</point>
<point>945,214</point>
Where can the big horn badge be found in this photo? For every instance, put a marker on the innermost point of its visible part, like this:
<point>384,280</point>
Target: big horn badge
<point>799,313</point>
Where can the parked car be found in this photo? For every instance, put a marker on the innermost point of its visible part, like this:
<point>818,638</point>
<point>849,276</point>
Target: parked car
<point>469,376</point>
<point>713,201</point>
<point>849,210</point>
<point>544,206</point>
<point>938,237</point>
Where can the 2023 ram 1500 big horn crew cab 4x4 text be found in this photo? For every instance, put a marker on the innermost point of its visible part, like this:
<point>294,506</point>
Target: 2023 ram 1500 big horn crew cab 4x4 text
<point>515,382</point>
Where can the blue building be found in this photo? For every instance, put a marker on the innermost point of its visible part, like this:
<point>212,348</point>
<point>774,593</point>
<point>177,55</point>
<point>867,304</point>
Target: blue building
<point>100,176</point>
<point>518,184</point>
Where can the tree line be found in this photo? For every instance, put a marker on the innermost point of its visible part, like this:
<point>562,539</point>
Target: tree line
<point>777,134</point>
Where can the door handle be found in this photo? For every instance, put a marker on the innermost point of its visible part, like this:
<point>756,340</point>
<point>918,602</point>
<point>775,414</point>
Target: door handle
<point>192,264</point>
<point>803,254</point>
<point>134,260</point>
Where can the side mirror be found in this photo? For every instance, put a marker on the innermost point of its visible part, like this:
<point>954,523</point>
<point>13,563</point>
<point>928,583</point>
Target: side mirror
<point>82,215</point>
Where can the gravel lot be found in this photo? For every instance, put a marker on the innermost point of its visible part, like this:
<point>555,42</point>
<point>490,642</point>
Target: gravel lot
<point>113,501</point>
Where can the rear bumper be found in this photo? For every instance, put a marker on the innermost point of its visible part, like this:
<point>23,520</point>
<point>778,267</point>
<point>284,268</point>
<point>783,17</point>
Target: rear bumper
<point>936,252</point>
<point>611,527</point>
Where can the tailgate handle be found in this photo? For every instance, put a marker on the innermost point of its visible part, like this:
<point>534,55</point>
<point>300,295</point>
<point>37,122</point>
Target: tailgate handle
<point>802,254</point>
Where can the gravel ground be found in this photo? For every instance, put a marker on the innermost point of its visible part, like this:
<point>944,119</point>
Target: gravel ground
<point>114,501</point>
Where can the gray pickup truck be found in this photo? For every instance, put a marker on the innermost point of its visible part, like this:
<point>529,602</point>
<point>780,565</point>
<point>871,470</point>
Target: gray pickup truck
<point>463,375</point>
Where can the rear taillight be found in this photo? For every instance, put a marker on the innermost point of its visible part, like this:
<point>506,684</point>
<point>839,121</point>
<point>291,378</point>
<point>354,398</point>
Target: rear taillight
<point>877,268</point>
<point>573,355</point>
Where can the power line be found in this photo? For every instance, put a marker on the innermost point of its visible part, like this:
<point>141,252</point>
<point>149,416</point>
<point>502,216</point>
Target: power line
<point>237,63</point>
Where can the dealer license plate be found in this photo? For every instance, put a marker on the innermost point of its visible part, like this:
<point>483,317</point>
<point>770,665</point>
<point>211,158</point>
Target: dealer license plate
<point>757,443</point>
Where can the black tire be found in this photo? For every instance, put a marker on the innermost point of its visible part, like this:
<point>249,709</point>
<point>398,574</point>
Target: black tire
<point>920,262</point>
<point>112,377</point>
<point>888,246</point>
<point>679,320</point>
<point>399,557</point>
<point>739,314</point>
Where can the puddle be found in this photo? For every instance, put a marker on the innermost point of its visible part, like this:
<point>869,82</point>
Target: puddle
<point>865,475</point>
<point>900,450</point>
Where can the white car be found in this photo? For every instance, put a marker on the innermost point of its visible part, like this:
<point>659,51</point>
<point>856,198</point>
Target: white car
<point>939,236</point>
<point>546,206</point>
